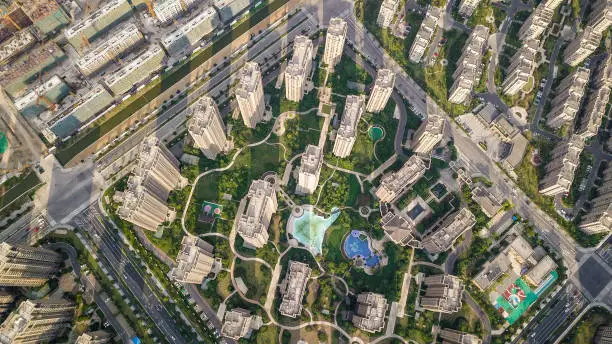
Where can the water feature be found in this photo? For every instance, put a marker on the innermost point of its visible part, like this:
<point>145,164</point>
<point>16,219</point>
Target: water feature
<point>376,133</point>
<point>309,228</point>
<point>357,246</point>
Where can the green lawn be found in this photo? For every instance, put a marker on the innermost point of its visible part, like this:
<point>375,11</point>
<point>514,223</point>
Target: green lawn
<point>256,277</point>
<point>347,70</point>
<point>166,80</point>
<point>17,187</point>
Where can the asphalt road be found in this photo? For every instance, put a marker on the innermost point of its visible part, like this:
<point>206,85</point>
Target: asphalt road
<point>123,332</point>
<point>122,268</point>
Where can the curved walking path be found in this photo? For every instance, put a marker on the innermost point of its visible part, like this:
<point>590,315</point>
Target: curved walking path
<point>449,264</point>
<point>484,318</point>
<point>357,175</point>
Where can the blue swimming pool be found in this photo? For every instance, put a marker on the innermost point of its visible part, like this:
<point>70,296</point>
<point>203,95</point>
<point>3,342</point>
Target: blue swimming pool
<point>357,245</point>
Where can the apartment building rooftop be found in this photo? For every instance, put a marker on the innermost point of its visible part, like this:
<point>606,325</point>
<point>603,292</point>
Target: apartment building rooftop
<point>560,171</point>
<point>592,118</point>
<point>249,76</point>
<point>385,78</point>
<point>194,260</point>
<point>295,286</point>
<point>425,33</point>
<point>353,109</point>
<point>205,22</point>
<point>298,62</point>
<point>310,162</point>
<point>142,59</point>
<point>370,312</point>
<point>400,229</point>
<point>442,294</point>
<point>19,42</point>
<point>443,238</point>
<point>32,97</point>
<point>237,323</point>
<point>253,222</point>
<point>337,27</point>
<point>393,184</point>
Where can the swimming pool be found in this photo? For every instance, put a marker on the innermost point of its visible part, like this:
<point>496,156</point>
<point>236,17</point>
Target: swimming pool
<point>357,245</point>
<point>309,229</point>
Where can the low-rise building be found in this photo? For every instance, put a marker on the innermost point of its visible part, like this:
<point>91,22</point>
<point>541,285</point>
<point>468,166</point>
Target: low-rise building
<point>370,312</point>
<point>425,33</point>
<point>230,9</point>
<point>393,185</point>
<point>582,46</point>
<point>469,67</point>
<point>568,98</point>
<point>387,11</point>
<point>381,92</point>
<point>540,271</point>
<point>137,71</point>
<point>450,336</point>
<point>559,173</point>
<point>293,288</point>
<point>467,7</point>
<point>95,337</point>
<point>111,49</point>
<point>347,132</point>
<point>194,261</point>
<point>238,323</point>
<point>254,222</point>
<point>298,69</point>
<point>97,22</point>
<point>310,169</point>
<point>192,32</point>
<point>442,239</point>
<point>442,294</point>
<point>487,202</point>
<point>18,43</point>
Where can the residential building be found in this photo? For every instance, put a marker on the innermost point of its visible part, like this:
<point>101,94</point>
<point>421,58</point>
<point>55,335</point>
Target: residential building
<point>137,71</point>
<point>47,16</point>
<point>111,49</point>
<point>431,131</point>
<point>588,125</point>
<point>400,229</point>
<point>442,294</point>
<point>451,336</point>
<point>425,33</point>
<point>143,208</point>
<point>469,67</point>
<point>15,45</point>
<point>81,114</point>
<point>230,9</point>
<point>293,289</point>
<point>6,301</point>
<point>551,4</point>
<point>238,323</point>
<point>24,266</point>
<point>37,321</point>
<point>599,218</point>
<point>370,312</point>
<point>487,202</point>
<point>95,337</point>
<point>467,7</point>
<point>536,23</point>
<point>254,222</point>
<point>206,127</point>
<point>249,94</point>
<point>603,335</point>
<point>348,130</point>
<point>442,239</point>
<point>310,169</point>
<point>97,22</point>
<point>540,271</point>
<point>334,41</point>
<point>298,69</point>
<point>383,87</point>
<point>603,73</point>
<point>35,101</point>
<point>583,45</point>
<point>511,261</point>
<point>168,10</point>
<point>192,32</point>
<point>388,8</point>
<point>393,185</point>
<point>568,98</point>
<point>194,261</point>
<point>601,16</point>
<point>521,68</point>
<point>156,162</point>
<point>559,173</point>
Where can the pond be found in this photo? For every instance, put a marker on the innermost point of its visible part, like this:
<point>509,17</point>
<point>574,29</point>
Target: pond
<point>357,246</point>
<point>376,133</point>
<point>309,228</point>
